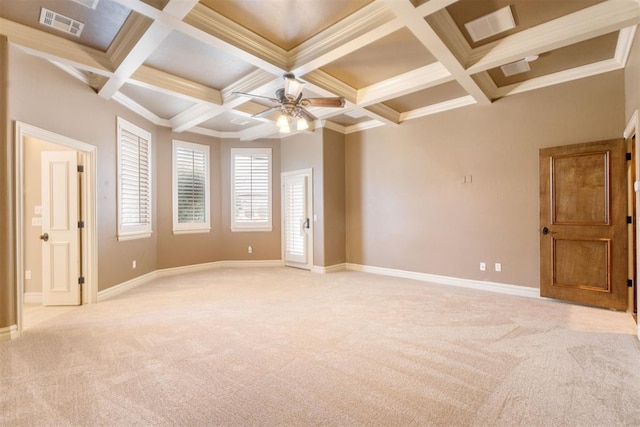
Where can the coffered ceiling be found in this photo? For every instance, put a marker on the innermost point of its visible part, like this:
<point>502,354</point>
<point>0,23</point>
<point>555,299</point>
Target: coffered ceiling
<point>178,62</point>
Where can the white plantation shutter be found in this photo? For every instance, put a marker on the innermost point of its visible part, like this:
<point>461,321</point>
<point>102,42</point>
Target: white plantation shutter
<point>134,181</point>
<point>295,217</point>
<point>251,189</point>
<point>190,187</point>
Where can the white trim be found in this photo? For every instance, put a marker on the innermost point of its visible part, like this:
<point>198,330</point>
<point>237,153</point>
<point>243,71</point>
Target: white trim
<point>174,271</point>
<point>330,269</point>
<point>89,208</point>
<point>32,298</point>
<point>631,127</point>
<point>501,288</point>
<point>9,333</point>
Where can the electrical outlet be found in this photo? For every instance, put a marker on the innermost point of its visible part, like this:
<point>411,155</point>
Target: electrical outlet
<point>483,266</point>
<point>498,266</point>
<point>27,275</point>
<point>133,264</point>
<point>250,250</point>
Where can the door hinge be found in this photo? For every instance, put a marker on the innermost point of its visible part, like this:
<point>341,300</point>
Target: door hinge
<point>80,168</point>
<point>628,156</point>
<point>80,280</point>
<point>629,220</point>
<point>630,283</point>
<point>80,224</point>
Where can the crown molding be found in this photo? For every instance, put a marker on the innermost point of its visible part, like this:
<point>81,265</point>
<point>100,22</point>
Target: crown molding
<point>131,32</point>
<point>328,124</point>
<point>355,31</point>
<point>438,108</point>
<point>433,6</point>
<point>48,46</point>
<point>167,83</point>
<point>446,28</point>
<point>363,126</point>
<point>239,41</point>
<point>597,20</point>
<point>625,43</point>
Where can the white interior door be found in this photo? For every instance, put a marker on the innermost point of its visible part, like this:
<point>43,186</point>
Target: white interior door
<point>297,230</point>
<point>60,248</point>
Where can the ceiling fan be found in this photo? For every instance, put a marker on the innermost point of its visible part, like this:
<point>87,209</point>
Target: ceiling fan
<point>292,106</point>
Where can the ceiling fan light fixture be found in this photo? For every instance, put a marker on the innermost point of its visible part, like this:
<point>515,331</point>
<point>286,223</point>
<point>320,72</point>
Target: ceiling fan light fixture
<point>301,124</point>
<point>283,123</point>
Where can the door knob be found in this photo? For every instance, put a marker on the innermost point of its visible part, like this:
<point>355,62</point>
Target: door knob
<point>45,237</point>
<point>546,231</point>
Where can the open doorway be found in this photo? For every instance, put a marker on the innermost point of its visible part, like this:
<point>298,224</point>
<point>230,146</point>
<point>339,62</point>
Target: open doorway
<point>72,162</point>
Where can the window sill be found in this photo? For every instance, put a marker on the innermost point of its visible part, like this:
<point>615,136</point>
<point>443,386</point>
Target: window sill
<point>263,229</point>
<point>133,236</point>
<point>192,231</point>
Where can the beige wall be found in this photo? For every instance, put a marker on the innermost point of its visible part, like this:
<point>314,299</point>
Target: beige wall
<point>7,226</point>
<point>32,197</point>
<point>334,198</point>
<point>406,206</point>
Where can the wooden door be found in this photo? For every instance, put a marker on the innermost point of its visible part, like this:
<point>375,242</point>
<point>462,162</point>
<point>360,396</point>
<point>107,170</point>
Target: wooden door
<point>583,230</point>
<point>60,247</point>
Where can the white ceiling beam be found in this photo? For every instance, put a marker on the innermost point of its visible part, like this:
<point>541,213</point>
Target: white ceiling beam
<point>602,18</point>
<point>144,47</point>
<point>409,82</point>
<point>169,84</point>
<point>430,39</point>
<point>433,6</point>
<point>625,42</point>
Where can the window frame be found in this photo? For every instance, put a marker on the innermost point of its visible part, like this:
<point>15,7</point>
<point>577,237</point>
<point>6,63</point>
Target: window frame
<point>130,232</point>
<point>257,226</point>
<point>194,227</point>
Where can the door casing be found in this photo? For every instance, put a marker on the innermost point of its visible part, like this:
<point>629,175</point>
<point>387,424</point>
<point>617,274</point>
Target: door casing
<point>88,207</point>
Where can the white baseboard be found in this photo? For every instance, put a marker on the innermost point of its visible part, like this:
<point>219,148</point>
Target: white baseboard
<point>174,271</point>
<point>502,288</point>
<point>330,269</point>
<point>32,298</point>
<point>9,333</point>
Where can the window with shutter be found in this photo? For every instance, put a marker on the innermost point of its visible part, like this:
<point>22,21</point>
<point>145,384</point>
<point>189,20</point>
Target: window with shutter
<point>134,181</point>
<point>191,211</point>
<point>251,189</point>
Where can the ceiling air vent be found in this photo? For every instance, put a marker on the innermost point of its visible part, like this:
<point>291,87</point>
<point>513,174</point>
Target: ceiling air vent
<point>60,22</point>
<point>240,121</point>
<point>491,24</point>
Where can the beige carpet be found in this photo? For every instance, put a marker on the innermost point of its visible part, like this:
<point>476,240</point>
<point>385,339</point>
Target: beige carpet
<point>278,346</point>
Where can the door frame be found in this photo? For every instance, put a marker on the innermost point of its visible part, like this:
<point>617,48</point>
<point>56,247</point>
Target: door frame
<point>89,239</point>
<point>630,130</point>
<point>308,172</point>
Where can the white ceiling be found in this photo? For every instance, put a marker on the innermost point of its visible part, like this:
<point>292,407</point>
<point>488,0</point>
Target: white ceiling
<point>177,62</point>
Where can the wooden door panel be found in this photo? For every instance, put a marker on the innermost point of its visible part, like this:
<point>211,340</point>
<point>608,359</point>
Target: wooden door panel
<point>583,255</point>
<point>580,190</point>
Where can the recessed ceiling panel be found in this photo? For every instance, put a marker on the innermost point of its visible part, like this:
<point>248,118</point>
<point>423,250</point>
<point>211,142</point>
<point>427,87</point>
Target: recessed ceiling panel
<point>527,13</point>
<point>286,23</point>
<point>347,120</point>
<point>196,61</point>
<point>426,97</point>
<point>229,122</point>
<point>586,52</point>
<point>100,25</point>
<point>162,105</point>
<point>387,57</point>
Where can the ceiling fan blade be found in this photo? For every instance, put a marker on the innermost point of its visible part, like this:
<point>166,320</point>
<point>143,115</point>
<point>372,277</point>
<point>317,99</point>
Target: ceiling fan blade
<point>310,118</point>
<point>250,95</point>
<point>266,112</point>
<point>337,102</point>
